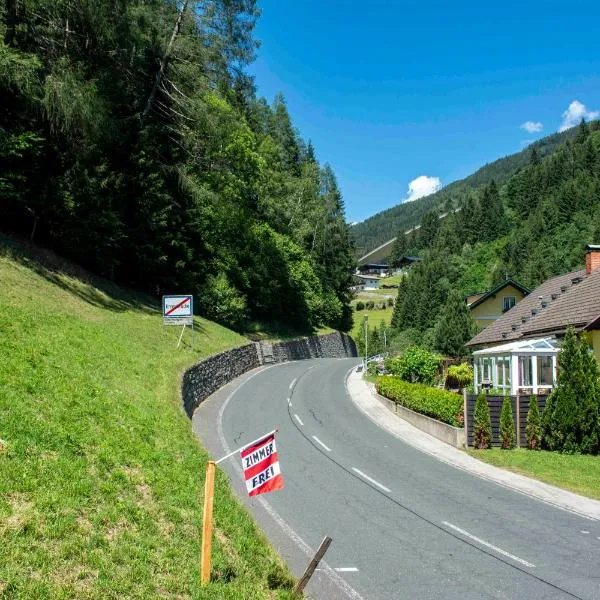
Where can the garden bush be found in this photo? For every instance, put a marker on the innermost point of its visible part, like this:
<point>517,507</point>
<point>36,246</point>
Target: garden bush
<point>507,425</point>
<point>440,404</point>
<point>360,305</point>
<point>461,375</point>
<point>533,429</point>
<point>370,305</point>
<point>415,365</point>
<point>482,424</point>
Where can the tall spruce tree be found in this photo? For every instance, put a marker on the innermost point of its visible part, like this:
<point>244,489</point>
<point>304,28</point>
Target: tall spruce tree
<point>454,327</point>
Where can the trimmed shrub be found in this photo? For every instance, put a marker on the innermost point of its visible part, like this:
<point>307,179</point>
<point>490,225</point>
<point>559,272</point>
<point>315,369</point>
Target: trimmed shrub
<point>415,365</point>
<point>482,424</point>
<point>533,429</point>
<point>390,302</point>
<point>370,305</point>
<point>360,305</point>
<point>507,425</point>
<point>461,374</point>
<point>439,404</point>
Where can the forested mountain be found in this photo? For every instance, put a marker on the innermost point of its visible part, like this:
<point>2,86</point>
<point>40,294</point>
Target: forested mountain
<point>132,141</point>
<point>533,227</point>
<point>385,225</point>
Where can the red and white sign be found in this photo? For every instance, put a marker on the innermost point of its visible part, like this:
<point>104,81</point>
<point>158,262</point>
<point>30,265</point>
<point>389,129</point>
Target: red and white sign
<point>261,467</point>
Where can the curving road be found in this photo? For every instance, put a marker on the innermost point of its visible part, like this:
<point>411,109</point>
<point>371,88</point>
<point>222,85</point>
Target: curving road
<point>404,525</point>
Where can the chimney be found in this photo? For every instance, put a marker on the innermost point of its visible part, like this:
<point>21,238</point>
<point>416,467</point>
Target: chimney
<point>592,258</point>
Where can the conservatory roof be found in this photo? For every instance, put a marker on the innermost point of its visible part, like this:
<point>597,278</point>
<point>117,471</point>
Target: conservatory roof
<point>528,346</point>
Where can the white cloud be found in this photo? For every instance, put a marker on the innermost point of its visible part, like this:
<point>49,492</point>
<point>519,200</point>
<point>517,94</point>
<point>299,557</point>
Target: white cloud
<point>573,115</point>
<point>532,126</point>
<point>422,186</point>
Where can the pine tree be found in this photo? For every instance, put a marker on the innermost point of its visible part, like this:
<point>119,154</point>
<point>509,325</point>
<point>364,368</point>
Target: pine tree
<point>454,327</point>
<point>398,249</point>
<point>533,429</point>
<point>507,426</point>
<point>482,424</point>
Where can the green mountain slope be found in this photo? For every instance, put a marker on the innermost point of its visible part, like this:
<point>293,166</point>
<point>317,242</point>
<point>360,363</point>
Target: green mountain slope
<point>101,478</point>
<point>383,226</point>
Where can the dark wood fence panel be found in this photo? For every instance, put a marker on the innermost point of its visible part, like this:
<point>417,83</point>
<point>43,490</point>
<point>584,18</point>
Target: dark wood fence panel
<point>495,405</point>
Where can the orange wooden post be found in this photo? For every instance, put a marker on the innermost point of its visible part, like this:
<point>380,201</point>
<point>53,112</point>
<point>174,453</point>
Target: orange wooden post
<point>209,492</point>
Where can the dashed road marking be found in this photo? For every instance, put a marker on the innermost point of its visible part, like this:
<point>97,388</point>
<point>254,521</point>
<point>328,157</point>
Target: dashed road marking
<point>292,384</point>
<point>488,545</point>
<point>346,569</point>
<point>584,531</point>
<point>321,443</point>
<point>364,476</point>
<point>298,419</point>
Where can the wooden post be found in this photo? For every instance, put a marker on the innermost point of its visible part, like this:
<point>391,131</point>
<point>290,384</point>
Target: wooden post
<point>518,419</point>
<point>209,492</point>
<point>312,566</point>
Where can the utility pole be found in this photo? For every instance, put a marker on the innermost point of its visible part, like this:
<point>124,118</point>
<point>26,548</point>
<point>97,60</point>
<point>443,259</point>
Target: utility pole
<point>366,339</point>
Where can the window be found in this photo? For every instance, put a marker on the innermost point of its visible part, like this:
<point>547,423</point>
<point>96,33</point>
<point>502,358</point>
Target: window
<point>503,372</point>
<point>508,302</point>
<point>525,374</point>
<point>545,370</point>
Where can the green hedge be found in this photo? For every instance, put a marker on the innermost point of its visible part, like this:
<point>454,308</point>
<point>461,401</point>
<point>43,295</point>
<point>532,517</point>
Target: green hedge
<point>439,404</point>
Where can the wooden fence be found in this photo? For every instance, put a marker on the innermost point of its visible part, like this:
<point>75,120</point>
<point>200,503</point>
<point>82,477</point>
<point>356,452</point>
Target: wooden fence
<point>495,404</point>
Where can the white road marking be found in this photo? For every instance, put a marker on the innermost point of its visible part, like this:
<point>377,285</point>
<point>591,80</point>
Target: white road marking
<point>583,531</point>
<point>488,545</point>
<point>320,442</point>
<point>341,583</point>
<point>292,384</point>
<point>371,480</point>
<point>346,570</point>
<point>289,401</point>
<point>298,419</point>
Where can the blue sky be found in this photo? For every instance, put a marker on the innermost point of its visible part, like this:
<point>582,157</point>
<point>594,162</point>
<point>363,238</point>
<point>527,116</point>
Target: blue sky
<point>392,91</point>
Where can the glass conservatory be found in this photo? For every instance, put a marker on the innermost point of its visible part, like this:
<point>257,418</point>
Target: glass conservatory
<point>520,367</point>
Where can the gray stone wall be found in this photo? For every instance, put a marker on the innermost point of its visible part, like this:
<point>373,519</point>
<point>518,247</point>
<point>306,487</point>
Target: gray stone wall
<point>207,376</point>
<point>332,345</point>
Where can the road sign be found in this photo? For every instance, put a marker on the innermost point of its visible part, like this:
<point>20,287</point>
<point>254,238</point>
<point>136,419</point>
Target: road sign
<point>177,307</point>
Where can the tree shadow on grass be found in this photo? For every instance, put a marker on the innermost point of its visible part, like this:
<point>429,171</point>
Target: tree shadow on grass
<point>69,276</point>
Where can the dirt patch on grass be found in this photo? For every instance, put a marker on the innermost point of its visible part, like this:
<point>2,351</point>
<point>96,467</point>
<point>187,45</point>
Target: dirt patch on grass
<point>3,447</point>
<point>21,513</point>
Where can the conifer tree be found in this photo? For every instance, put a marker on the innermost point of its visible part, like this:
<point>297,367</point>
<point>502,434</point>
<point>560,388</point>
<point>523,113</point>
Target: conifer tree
<point>454,327</point>
<point>398,249</point>
<point>507,426</point>
<point>533,429</point>
<point>482,424</point>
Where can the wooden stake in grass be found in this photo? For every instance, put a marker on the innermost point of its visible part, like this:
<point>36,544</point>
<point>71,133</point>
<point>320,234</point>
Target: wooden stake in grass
<point>312,566</point>
<point>209,493</point>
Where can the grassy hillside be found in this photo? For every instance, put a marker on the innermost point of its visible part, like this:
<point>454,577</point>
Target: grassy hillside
<point>101,478</point>
<point>383,226</point>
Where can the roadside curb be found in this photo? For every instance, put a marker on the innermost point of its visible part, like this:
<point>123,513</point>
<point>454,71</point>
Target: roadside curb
<point>363,397</point>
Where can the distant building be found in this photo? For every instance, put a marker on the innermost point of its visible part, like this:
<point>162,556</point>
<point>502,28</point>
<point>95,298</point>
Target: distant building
<point>486,307</point>
<point>369,282</point>
<point>518,351</point>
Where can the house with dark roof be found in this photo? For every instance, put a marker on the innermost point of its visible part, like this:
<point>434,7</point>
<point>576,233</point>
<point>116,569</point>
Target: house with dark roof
<point>487,307</point>
<point>517,352</point>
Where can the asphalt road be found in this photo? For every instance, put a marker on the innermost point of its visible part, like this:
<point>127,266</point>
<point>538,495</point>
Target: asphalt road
<point>404,525</point>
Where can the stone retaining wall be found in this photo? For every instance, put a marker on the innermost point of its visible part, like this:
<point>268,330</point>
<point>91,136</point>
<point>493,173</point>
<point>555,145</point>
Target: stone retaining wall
<point>207,376</point>
<point>331,345</point>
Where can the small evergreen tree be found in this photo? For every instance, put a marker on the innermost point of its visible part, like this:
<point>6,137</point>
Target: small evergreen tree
<point>482,424</point>
<point>574,401</point>
<point>533,429</point>
<point>507,426</point>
